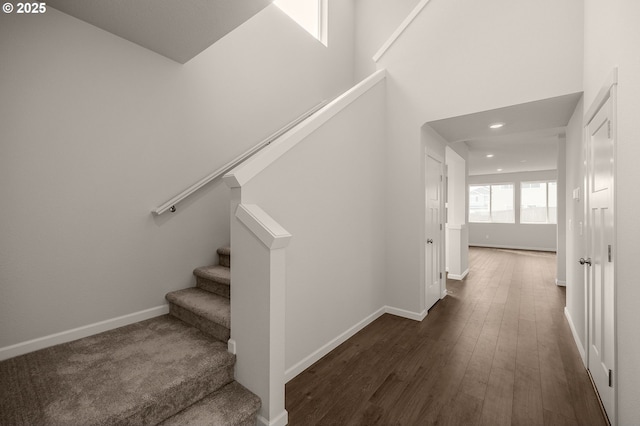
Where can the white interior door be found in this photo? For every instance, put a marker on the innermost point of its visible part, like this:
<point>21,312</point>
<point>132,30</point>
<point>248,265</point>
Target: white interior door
<point>433,230</point>
<point>600,265</point>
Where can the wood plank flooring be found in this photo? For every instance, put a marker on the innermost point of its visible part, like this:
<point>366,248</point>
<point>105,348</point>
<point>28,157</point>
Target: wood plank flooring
<point>496,351</point>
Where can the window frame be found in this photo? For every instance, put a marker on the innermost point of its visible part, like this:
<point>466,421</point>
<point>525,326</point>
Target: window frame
<point>491,185</point>
<point>546,182</point>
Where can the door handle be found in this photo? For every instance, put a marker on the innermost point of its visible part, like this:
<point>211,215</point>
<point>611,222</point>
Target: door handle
<point>429,241</point>
<point>584,261</point>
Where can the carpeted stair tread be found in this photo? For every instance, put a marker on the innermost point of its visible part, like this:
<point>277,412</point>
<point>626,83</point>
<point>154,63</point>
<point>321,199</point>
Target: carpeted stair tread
<point>204,304</point>
<point>225,251</point>
<point>142,373</point>
<point>217,273</point>
<point>232,405</point>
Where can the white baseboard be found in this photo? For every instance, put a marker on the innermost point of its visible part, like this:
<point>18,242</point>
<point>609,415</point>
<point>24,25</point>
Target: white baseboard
<point>315,356</point>
<point>281,420</point>
<point>231,346</point>
<point>508,247</point>
<point>561,283</point>
<point>576,338</point>
<point>80,332</point>
<point>406,314</point>
<point>458,277</point>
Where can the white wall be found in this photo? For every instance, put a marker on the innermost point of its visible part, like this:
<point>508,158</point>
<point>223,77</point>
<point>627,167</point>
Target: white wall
<point>514,235</point>
<point>457,187</point>
<point>612,36</point>
<point>575,240</point>
<point>457,238</point>
<point>455,59</point>
<point>375,21</point>
<point>561,244</point>
<point>96,131</point>
<point>325,191</point>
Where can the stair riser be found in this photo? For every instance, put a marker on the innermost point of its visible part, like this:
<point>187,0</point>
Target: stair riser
<point>182,396</point>
<point>239,408</point>
<point>213,329</point>
<point>213,287</point>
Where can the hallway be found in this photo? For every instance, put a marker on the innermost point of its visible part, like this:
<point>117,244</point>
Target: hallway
<point>496,351</point>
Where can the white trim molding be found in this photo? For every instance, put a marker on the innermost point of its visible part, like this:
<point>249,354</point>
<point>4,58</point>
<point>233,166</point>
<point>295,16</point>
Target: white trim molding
<point>80,332</point>
<point>509,247</point>
<point>280,420</point>
<point>602,96</point>
<point>231,346</point>
<point>406,314</point>
<point>576,338</point>
<point>256,164</point>
<point>398,32</point>
<point>272,235</point>
<point>458,277</point>
<point>307,362</point>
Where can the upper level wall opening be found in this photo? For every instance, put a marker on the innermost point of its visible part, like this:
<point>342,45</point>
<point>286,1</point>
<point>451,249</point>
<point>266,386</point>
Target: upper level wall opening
<point>309,14</point>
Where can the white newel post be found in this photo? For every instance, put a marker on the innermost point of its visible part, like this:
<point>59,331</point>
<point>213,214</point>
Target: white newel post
<point>258,306</point>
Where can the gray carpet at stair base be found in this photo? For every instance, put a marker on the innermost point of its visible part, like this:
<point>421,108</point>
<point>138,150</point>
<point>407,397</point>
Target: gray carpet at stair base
<point>139,374</point>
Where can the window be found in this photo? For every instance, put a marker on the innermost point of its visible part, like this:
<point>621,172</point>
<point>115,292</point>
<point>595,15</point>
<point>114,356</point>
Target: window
<point>539,202</point>
<point>309,14</point>
<point>491,203</point>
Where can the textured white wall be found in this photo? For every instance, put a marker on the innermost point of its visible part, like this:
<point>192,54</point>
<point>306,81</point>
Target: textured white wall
<point>326,192</point>
<point>612,37</point>
<point>460,57</point>
<point>96,131</point>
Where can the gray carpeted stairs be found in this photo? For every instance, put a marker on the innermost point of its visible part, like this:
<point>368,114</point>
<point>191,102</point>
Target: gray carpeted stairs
<point>206,306</point>
<point>161,371</point>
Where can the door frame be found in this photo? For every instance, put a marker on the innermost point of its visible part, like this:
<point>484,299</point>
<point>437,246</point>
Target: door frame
<point>441,246</point>
<point>607,92</point>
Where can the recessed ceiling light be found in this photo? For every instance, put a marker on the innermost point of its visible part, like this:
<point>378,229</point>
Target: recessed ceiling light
<point>498,170</point>
<point>496,125</point>
<point>489,155</point>
<point>523,161</point>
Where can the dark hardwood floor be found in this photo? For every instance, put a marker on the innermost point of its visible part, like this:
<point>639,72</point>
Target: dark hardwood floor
<point>496,351</point>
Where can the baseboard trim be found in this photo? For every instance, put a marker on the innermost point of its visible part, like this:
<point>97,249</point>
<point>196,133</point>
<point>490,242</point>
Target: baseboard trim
<point>231,346</point>
<point>315,356</point>
<point>561,283</point>
<point>80,332</point>
<point>406,314</point>
<point>508,247</point>
<point>576,338</point>
<point>281,420</point>
<point>458,277</point>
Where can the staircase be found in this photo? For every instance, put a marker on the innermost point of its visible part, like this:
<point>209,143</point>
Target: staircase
<point>207,306</point>
<point>170,370</point>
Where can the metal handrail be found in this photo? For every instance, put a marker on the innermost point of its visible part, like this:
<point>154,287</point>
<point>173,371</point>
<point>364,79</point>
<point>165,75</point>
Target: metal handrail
<point>171,204</point>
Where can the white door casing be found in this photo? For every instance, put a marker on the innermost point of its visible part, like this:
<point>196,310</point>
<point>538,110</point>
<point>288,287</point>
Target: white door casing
<point>433,230</point>
<point>600,273</point>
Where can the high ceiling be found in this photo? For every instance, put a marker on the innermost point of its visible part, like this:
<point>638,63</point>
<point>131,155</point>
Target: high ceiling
<point>528,141</point>
<point>179,30</point>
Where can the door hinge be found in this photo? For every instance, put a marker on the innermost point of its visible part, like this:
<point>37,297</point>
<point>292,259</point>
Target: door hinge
<point>441,227</point>
<point>440,275</point>
<point>610,378</point>
<point>440,178</point>
<point>609,253</point>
